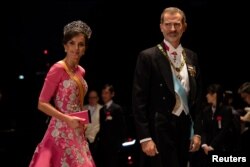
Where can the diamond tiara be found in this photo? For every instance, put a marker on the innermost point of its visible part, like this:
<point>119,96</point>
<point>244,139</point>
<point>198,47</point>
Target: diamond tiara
<point>78,26</point>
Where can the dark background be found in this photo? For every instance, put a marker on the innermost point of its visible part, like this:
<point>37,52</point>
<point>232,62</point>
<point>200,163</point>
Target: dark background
<point>217,31</point>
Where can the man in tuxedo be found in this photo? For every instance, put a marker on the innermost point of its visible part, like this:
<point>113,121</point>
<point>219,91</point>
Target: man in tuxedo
<point>166,90</point>
<point>112,130</point>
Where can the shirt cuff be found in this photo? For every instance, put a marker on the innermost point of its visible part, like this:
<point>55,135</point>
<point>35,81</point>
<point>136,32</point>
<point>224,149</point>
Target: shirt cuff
<point>197,136</point>
<point>146,139</point>
<point>203,145</point>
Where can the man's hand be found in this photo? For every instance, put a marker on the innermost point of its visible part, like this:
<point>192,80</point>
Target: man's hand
<point>149,148</point>
<point>195,143</point>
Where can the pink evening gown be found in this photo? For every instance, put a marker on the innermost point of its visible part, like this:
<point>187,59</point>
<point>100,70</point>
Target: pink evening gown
<point>61,145</point>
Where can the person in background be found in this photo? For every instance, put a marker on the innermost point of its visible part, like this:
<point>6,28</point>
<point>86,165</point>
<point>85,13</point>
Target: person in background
<point>236,128</point>
<point>64,143</point>
<point>228,99</point>
<point>244,92</point>
<point>93,128</point>
<point>166,93</point>
<point>217,118</point>
<point>112,130</point>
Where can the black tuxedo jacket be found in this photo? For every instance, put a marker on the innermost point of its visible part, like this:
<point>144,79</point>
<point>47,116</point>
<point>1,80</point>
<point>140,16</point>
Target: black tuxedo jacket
<point>111,136</point>
<point>112,127</point>
<point>153,101</point>
<point>153,90</point>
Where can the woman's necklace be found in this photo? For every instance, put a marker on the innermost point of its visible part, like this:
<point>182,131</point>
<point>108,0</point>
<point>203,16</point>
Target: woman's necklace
<point>71,69</point>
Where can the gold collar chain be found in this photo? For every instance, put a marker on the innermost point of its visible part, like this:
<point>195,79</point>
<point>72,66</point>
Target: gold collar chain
<point>177,69</point>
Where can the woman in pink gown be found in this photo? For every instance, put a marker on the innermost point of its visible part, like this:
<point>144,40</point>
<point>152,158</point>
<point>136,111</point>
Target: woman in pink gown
<point>64,143</point>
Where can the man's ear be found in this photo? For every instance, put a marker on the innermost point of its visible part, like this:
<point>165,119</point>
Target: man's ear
<point>185,27</point>
<point>113,94</point>
<point>160,28</point>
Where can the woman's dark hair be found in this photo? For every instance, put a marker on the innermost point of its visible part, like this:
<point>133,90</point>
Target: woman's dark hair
<point>74,28</point>
<point>68,36</point>
<point>244,88</point>
<point>216,88</point>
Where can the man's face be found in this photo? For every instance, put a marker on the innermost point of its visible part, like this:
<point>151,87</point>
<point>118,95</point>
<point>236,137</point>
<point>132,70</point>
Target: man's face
<point>172,28</point>
<point>93,98</point>
<point>106,95</point>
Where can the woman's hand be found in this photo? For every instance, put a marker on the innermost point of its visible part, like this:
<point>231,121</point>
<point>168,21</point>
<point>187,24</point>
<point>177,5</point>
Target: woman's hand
<point>76,123</point>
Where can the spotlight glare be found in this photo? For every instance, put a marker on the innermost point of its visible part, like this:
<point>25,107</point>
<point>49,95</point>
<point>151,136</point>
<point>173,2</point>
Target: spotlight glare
<point>21,77</point>
<point>128,143</point>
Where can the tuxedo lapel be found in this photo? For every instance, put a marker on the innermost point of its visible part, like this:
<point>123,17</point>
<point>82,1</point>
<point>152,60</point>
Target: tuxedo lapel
<point>165,69</point>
